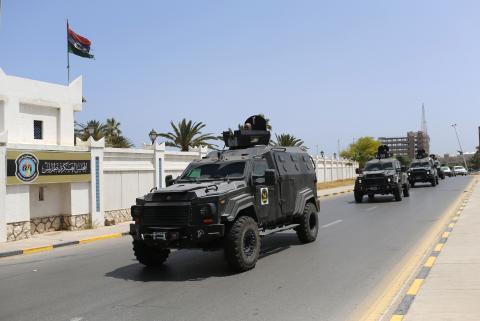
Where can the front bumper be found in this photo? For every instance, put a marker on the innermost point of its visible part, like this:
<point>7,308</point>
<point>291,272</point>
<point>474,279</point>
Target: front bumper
<point>420,177</point>
<point>387,188</point>
<point>178,237</point>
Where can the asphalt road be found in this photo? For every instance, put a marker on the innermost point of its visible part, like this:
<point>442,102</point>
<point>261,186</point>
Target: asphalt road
<point>357,246</point>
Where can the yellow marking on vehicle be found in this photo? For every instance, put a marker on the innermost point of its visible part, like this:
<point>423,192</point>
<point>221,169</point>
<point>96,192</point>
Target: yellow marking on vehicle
<point>415,287</point>
<point>37,249</point>
<point>99,238</point>
<point>438,247</point>
<point>430,261</point>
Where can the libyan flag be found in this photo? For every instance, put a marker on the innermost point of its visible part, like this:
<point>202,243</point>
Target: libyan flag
<point>78,45</point>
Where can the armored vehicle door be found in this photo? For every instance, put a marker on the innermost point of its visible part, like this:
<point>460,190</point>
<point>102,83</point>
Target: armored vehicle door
<point>287,181</point>
<point>266,195</point>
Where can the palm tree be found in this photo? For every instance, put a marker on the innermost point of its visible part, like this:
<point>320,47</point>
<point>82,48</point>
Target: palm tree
<point>81,130</point>
<point>287,140</point>
<point>187,134</point>
<point>120,141</point>
<point>112,128</point>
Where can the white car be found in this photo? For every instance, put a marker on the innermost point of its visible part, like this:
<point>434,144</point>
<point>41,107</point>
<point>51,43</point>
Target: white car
<point>446,170</point>
<point>459,170</point>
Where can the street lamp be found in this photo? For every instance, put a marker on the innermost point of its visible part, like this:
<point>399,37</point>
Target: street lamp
<point>460,145</point>
<point>153,136</point>
<point>322,153</point>
<point>90,130</point>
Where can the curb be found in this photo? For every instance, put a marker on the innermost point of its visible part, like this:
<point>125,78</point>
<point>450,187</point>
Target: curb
<point>337,193</point>
<point>44,248</point>
<point>415,286</point>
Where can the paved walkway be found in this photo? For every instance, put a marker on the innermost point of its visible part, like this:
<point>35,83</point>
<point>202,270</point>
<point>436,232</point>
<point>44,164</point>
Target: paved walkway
<point>51,240</point>
<point>452,289</point>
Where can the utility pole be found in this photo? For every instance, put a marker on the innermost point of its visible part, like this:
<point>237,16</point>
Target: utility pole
<point>460,145</point>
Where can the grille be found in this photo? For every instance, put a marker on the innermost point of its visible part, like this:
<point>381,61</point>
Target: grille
<point>166,215</point>
<point>377,181</point>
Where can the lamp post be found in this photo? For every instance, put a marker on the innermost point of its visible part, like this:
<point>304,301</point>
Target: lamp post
<point>322,154</point>
<point>153,136</point>
<point>90,130</point>
<point>460,145</point>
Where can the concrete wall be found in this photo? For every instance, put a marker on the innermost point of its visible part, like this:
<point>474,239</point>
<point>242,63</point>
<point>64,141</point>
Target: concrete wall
<point>332,169</point>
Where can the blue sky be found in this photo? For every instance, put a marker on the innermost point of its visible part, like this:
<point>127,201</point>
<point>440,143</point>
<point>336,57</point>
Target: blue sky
<point>320,70</point>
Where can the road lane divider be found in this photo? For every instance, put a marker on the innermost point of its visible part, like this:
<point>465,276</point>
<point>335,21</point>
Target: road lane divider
<point>391,299</point>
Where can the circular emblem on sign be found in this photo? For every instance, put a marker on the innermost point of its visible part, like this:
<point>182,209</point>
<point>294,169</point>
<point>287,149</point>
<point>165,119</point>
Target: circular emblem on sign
<point>26,167</point>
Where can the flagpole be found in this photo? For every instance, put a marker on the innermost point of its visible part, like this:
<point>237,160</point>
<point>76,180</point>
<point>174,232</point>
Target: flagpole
<point>68,59</point>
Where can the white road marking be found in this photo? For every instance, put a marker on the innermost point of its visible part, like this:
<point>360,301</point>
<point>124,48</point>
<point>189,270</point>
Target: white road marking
<point>332,223</point>
<point>372,208</point>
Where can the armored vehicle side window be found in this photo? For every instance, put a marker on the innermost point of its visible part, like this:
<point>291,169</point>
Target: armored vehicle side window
<point>215,171</point>
<point>259,167</point>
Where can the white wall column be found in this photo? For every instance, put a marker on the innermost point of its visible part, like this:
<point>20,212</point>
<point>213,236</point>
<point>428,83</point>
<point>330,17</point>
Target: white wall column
<point>96,186</point>
<point>159,164</point>
<point>3,186</point>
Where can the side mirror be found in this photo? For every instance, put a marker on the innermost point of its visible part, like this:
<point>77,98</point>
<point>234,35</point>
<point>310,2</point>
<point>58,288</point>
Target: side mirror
<point>358,171</point>
<point>169,180</point>
<point>270,177</point>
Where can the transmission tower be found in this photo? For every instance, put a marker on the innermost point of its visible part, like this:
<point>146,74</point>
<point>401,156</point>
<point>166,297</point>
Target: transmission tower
<point>424,121</point>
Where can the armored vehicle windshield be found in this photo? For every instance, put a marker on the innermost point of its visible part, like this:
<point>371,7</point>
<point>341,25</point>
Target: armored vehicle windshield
<point>420,164</point>
<point>214,171</point>
<point>379,166</point>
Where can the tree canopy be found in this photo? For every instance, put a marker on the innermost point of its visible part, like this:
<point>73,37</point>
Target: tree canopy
<point>110,130</point>
<point>287,140</point>
<point>187,134</point>
<point>363,150</point>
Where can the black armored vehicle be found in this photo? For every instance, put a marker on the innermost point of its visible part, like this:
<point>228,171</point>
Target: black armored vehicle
<point>383,175</point>
<point>227,199</point>
<point>423,170</point>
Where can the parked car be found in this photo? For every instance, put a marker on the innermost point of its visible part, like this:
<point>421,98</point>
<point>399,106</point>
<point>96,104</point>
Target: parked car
<point>447,171</point>
<point>460,170</point>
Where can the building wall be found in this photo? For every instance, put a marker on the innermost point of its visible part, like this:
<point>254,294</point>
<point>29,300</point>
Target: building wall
<point>2,116</point>
<point>17,203</point>
<point>56,200</point>
<point>50,118</point>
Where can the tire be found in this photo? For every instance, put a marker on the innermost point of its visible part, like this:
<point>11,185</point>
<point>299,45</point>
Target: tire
<point>149,256</point>
<point>358,197</point>
<point>433,182</point>
<point>406,190</point>
<point>398,193</point>
<point>308,229</point>
<point>371,197</point>
<point>242,244</point>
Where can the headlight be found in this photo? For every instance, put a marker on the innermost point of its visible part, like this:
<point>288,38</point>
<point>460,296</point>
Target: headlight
<point>359,181</point>
<point>389,179</point>
<point>428,172</point>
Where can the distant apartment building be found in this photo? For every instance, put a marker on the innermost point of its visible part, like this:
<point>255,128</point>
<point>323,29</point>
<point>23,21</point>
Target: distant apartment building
<point>408,145</point>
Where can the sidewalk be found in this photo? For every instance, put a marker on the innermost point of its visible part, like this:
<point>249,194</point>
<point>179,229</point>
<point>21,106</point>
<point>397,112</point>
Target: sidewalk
<point>451,290</point>
<point>51,240</point>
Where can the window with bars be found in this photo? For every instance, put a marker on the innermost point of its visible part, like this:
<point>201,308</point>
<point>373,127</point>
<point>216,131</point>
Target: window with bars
<point>38,129</point>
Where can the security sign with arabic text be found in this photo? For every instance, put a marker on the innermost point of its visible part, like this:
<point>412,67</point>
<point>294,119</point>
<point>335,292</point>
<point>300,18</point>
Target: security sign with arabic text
<point>29,167</point>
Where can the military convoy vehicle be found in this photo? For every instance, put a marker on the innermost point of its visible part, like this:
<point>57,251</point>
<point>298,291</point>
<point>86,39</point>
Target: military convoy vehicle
<point>423,170</point>
<point>225,200</point>
<point>383,175</point>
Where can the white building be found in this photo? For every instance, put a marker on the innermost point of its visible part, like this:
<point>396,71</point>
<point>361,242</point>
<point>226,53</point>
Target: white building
<point>51,183</point>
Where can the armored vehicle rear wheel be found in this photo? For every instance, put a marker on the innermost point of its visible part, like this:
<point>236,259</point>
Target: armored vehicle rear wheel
<point>398,193</point>
<point>358,197</point>
<point>371,197</point>
<point>406,190</point>
<point>149,256</point>
<point>242,244</point>
<point>308,229</point>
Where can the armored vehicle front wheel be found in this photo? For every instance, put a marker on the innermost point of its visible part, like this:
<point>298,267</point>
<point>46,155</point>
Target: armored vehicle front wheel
<point>371,197</point>
<point>242,244</point>
<point>358,197</point>
<point>406,190</point>
<point>308,229</point>
<point>398,193</point>
<point>412,184</point>
<point>149,256</point>
<point>433,182</point>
